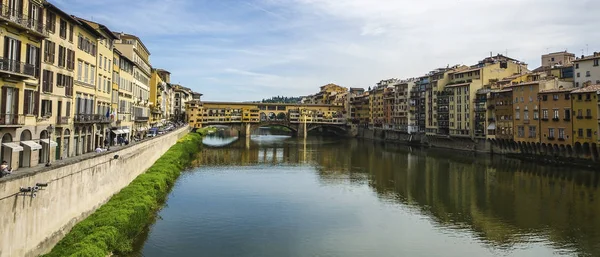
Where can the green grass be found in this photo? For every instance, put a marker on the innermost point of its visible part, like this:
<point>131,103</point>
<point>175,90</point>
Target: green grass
<point>114,226</point>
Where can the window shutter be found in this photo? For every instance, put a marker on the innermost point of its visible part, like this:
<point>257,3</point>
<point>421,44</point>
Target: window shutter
<point>6,42</point>
<point>28,53</point>
<point>68,109</point>
<point>16,101</point>
<point>36,103</point>
<point>26,102</point>
<point>51,82</point>
<point>18,44</point>
<point>49,107</point>
<point>4,93</point>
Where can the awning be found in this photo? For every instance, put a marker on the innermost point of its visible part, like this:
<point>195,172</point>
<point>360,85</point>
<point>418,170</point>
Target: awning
<point>52,143</point>
<point>14,146</point>
<point>126,131</point>
<point>118,131</point>
<point>32,145</point>
<point>492,126</point>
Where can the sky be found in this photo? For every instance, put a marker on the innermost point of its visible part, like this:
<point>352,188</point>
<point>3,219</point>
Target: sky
<point>247,50</point>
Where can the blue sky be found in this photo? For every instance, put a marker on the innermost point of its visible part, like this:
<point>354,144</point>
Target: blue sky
<point>235,50</point>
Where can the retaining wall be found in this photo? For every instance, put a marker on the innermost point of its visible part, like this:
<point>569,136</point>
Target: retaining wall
<point>31,226</point>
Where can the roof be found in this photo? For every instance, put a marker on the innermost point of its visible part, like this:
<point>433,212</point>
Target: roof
<point>88,27</point>
<point>163,70</point>
<point>588,89</point>
<point>556,90</point>
<point>59,11</point>
<point>561,52</point>
<point>587,58</point>
<point>98,26</point>
<point>524,84</point>
<point>138,39</point>
<point>502,90</point>
<point>467,70</point>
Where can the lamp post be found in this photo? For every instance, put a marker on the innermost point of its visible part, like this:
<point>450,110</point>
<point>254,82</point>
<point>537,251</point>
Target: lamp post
<point>50,131</point>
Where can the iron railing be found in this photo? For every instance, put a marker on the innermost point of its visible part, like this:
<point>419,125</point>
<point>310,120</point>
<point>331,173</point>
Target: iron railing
<point>91,118</point>
<point>17,67</point>
<point>12,119</point>
<point>16,17</point>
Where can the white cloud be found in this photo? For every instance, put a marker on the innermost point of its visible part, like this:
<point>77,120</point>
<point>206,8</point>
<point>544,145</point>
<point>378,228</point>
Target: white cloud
<point>291,47</point>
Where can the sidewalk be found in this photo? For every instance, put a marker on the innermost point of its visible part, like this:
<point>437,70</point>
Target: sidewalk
<point>23,172</point>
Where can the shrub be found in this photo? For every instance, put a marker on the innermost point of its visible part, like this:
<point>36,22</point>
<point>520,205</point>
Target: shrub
<point>113,227</point>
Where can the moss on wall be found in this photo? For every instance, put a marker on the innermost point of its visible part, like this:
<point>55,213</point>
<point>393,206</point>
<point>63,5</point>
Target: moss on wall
<point>114,226</point>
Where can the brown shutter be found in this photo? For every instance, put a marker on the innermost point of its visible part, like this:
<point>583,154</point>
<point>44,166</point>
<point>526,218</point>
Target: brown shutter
<point>36,103</point>
<point>68,109</point>
<point>16,101</point>
<point>38,62</point>
<point>51,82</point>
<point>3,103</point>
<point>27,53</point>
<point>26,102</point>
<point>6,42</point>
<point>18,43</point>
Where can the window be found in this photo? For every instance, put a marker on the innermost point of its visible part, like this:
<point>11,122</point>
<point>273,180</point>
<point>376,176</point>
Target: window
<point>588,113</point>
<point>532,133</point>
<point>100,63</point>
<point>551,133</point>
<point>545,98</point>
<point>70,59</point>
<point>555,97</point>
<point>589,132</point>
<point>99,82</point>
<point>93,75</point>
<point>49,51</point>
<point>29,102</point>
<point>62,56</point>
<point>105,63</point>
<point>71,29</point>
<point>46,108</point>
<point>579,97</point>
<point>579,114</point>
<point>561,133</point>
<point>526,115</point>
<point>51,22</point>
<point>578,74</point>
<point>545,114</point>
<point>79,70</point>
<point>47,81</point>
<point>588,96</point>
<point>62,29</point>
<point>87,72</point>
<point>556,116</point>
<point>521,131</point>
<point>31,58</point>
<point>596,62</point>
<point>567,114</point>
<point>522,100</point>
<point>580,132</point>
<point>536,115</point>
<point>577,66</point>
<point>518,115</point>
<point>587,73</point>
<point>567,96</point>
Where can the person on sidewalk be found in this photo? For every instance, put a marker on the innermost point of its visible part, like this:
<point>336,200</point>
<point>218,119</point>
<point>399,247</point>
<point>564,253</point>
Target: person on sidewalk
<point>4,169</point>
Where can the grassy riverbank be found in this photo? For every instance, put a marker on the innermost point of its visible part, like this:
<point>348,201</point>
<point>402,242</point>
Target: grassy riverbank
<point>114,226</point>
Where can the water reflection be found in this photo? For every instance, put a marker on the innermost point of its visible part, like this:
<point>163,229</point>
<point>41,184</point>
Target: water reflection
<point>506,204</point>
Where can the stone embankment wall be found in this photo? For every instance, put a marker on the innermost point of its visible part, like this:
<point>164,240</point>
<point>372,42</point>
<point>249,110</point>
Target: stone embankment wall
<point>581,155</point>
<point>32,225</point>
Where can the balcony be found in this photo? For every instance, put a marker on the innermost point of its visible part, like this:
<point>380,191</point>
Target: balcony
<point>63,120</point>
<point>91,118</point>
<point>21,69</point>
<point>16,18</point>
<point>12,120</point>
<point>141,118</point>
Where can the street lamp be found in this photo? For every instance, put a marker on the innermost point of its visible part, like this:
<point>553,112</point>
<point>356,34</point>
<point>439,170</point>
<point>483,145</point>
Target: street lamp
<point>50,131</point>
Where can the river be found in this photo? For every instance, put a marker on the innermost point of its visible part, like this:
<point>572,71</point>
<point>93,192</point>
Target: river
<point>279,196</point>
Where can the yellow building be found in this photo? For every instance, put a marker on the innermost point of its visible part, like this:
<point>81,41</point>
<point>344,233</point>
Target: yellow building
<point>466,81</point>
<point>20,75</point>
<point>437,81</point>
<point>104,75</point>
<point>85,88</point>
<point>58,72</point>
<point>124,121</point>
<point>584,104</point>
<point>376,110</point>
<point>194,112</point>
<point>159,96</point>
<point>134,49</point>
<point>114,107</point>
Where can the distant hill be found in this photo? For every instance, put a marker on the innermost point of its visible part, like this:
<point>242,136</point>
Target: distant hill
<point>282,99</point>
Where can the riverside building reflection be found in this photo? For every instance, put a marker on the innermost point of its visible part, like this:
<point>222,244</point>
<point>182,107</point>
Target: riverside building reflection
<point>504,203</point>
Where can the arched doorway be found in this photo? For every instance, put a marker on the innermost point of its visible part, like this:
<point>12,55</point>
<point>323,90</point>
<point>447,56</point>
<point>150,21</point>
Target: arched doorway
<point>45,147</point>
<point>25,155</point>
<point>66,143</point>
<point>6,151</point>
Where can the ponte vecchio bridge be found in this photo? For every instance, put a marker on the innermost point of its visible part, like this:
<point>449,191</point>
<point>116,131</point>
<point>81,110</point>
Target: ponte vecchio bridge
<point>247,117</point>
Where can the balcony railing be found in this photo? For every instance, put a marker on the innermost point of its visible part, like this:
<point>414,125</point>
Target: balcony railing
<point>16,67</point>
<point>12,120</point>
<point>16,17</point>
<point>91,118</point>
<point>141,118</point>
<point>63,120</point>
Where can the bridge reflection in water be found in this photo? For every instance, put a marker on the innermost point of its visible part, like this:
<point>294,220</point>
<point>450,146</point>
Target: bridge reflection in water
<point>504,203</point>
